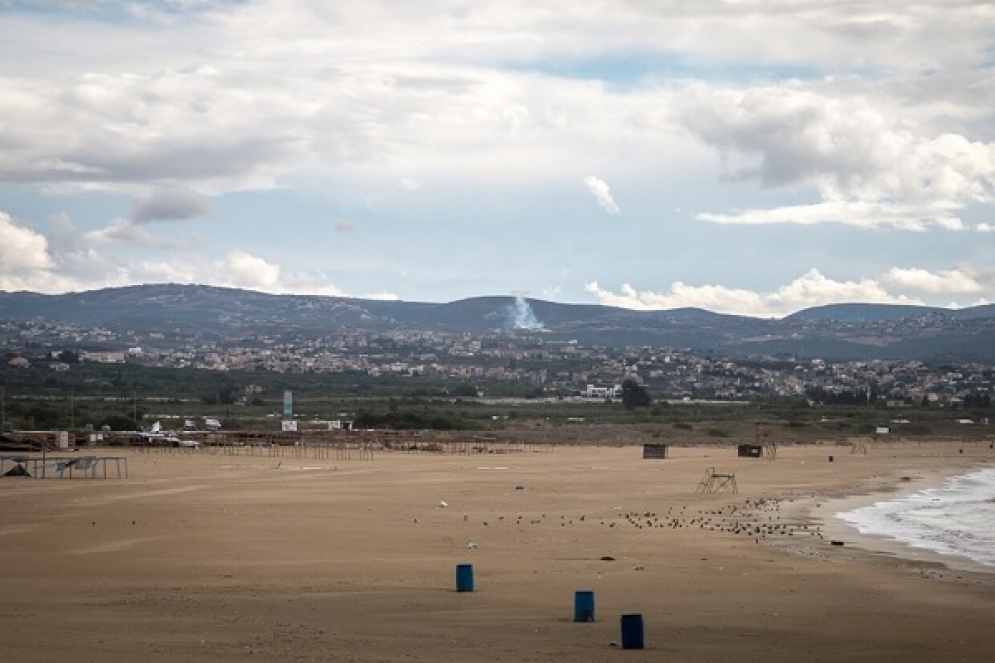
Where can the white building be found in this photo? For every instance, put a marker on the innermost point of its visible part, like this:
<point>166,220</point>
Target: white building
<point>602,392</point>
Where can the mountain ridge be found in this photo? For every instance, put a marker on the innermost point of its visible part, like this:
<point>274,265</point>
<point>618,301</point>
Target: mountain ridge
<point>858,330</point>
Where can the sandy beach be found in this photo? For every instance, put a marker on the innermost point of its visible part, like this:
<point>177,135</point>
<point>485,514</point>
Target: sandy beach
<point>202,556</point>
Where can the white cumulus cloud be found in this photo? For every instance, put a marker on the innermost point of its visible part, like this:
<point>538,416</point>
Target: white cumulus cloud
<point>27,261</point>
<point>21,248</point>
<point>952,281</point>
<point>810,289</point>
<point>868,167</point>
<point>241,269</point>
<point>602,193</point>
<point>244,270</point>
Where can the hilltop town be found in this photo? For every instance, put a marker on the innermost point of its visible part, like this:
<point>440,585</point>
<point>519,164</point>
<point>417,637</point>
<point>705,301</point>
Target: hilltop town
<point>507,363</point>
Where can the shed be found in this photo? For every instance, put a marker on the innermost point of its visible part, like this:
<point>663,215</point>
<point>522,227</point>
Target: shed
<point>750,451</point>
<point>655,451</point>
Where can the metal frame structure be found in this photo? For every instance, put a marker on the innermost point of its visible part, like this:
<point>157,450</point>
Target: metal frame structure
<point>717,482</point>
<point>63,467</point>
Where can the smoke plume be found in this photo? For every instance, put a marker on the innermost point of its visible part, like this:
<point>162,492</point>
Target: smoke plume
<point>521,314</point>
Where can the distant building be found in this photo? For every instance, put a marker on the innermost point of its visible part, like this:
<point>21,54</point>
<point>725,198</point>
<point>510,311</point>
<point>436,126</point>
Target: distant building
<point>602,392</point>
<point>103,357</point>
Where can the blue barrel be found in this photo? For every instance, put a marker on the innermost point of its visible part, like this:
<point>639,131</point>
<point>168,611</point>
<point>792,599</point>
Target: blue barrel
<point>464,577</point>
<point>583,606</point>
<point>632,631</point>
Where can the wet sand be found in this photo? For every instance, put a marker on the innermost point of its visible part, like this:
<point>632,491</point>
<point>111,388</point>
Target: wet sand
<point>210,557</point>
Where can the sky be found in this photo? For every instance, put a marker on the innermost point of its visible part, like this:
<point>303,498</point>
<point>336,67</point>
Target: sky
<point>754,157</point>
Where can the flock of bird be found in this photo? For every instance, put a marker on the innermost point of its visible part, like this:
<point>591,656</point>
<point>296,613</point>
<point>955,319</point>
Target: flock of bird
<point>757,519</point>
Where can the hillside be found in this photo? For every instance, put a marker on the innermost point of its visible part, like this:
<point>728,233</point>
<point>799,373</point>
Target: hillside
<point>837,331</point>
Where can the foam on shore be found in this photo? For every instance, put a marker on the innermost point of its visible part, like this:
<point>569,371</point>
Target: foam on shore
<point>955,519</point>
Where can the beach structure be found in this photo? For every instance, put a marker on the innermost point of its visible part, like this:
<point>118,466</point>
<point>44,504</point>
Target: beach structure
<point>717,482</point>
<point>768,449</point>
<point>64,467</point>
<point>858,445</point>
<point>345,445</point>
<point>655,451</point>
<point>749,451</point>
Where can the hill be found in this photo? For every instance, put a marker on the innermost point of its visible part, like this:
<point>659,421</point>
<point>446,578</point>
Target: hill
<point>839,331</point>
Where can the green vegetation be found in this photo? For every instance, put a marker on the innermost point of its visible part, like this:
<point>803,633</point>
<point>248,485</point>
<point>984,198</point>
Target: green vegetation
<point>634,395</point>
<point>410,420</point>
<point>126,396</point>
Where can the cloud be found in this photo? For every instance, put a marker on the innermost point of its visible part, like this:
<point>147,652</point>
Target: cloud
<point>860,162</point>
<point>313,284</point>
<point>861,214</point>
<point>240,269</point>
<point>169,271</point>
<point>27,261</point>
<point>68,260</point>
<point>495,87</point>
<point>380,296</point>
<point>888,34</point>
<point>810,289</point>
<point>953,281</point>
<point>21,248</point>
<point>166,202</point>
<point>858,115</point>
<point>117,126</point>
<point>170,202</point>
<point>244,270</point>
<point>56,165</point>
<point>602,193</point>
<point>123,230</point>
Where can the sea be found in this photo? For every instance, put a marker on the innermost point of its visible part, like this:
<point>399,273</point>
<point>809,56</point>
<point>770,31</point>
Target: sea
<point>957,518</point>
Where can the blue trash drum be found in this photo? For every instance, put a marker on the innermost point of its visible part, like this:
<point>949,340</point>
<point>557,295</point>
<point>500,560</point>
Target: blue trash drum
<point>583,606</point>
<point>632,631</point>
<point>464,577</point>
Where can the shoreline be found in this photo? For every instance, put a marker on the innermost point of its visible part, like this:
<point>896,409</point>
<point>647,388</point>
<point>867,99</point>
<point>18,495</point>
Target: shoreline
<point>825,511</point>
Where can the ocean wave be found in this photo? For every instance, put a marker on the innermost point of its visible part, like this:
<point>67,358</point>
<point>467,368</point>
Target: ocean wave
<point>955,519</point>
